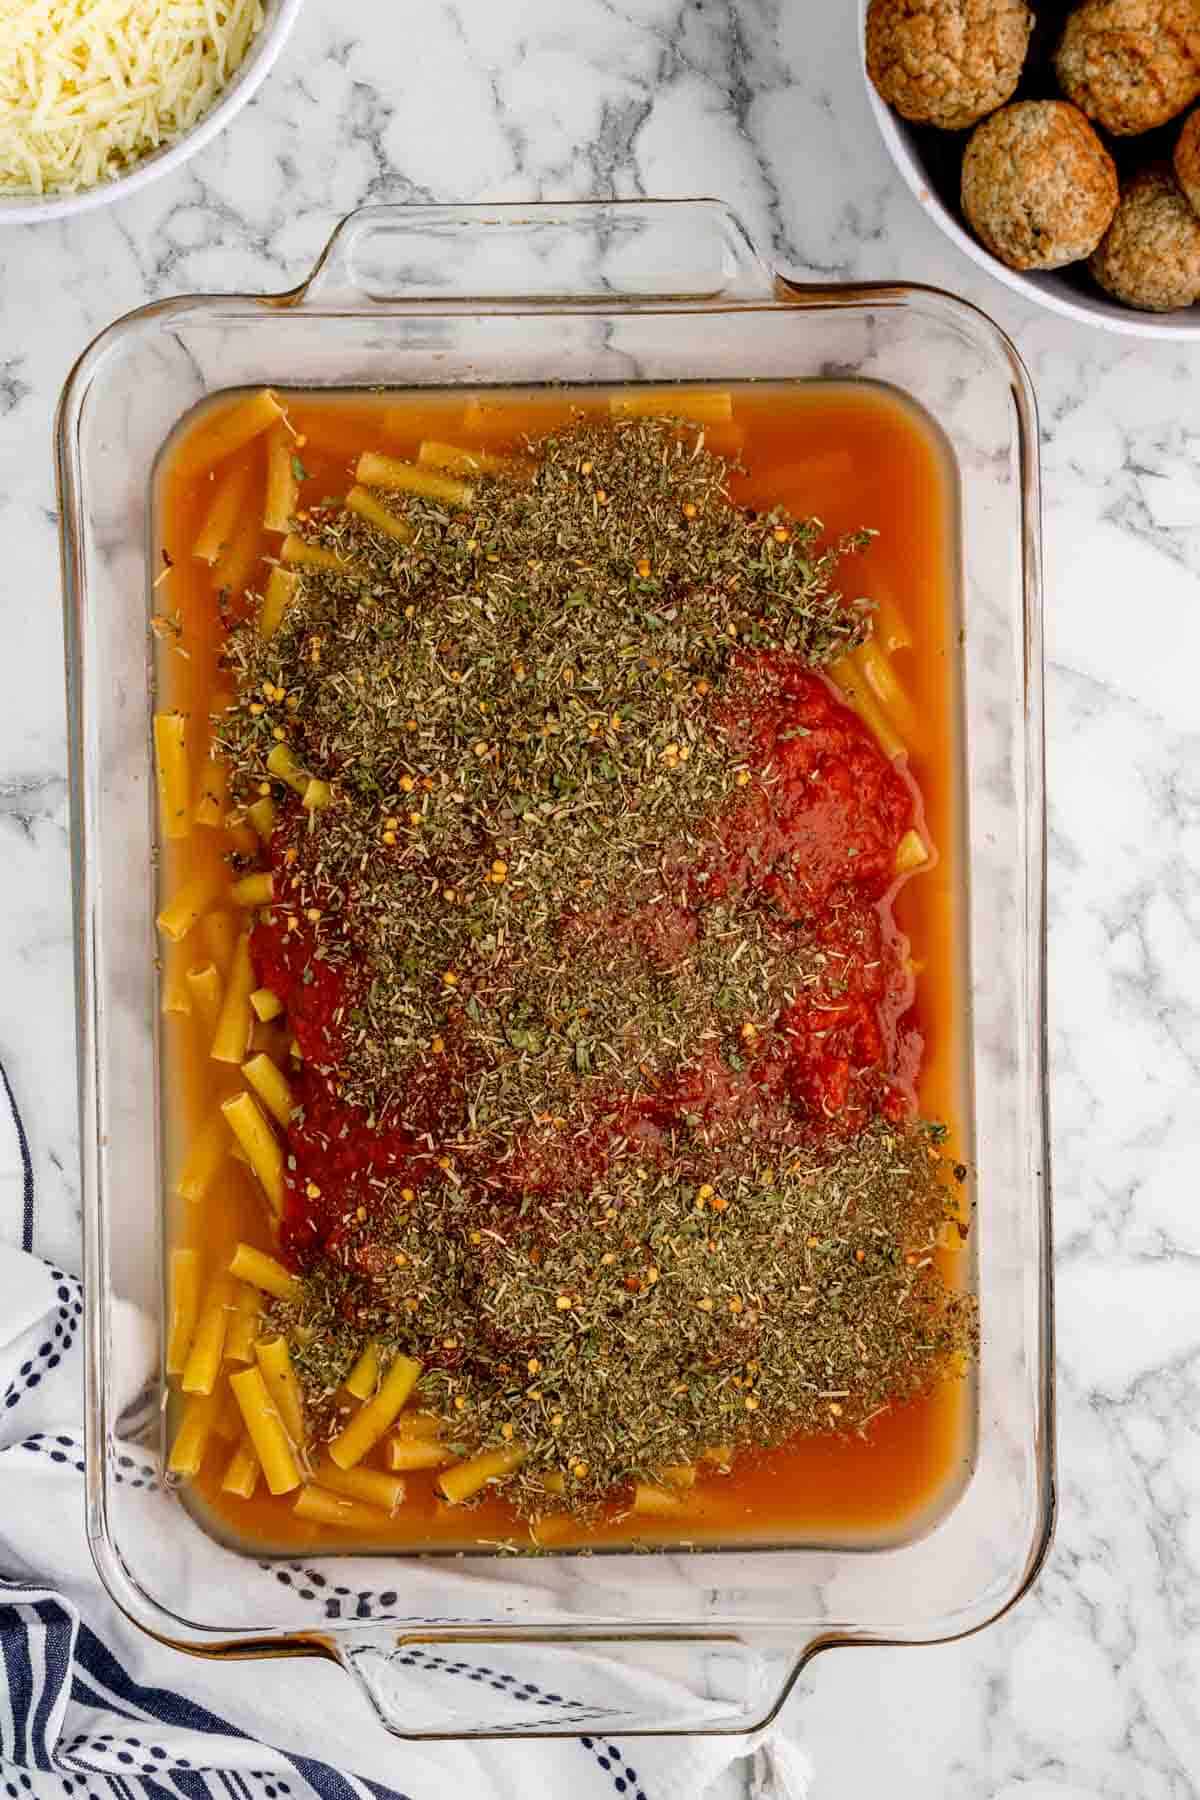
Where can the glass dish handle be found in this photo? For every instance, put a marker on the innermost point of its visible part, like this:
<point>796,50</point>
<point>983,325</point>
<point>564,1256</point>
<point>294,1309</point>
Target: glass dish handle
<point>422,1684</point>
<point>580,252</point>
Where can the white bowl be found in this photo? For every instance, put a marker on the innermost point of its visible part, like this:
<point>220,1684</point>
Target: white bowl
<point>280,17</point>
<point>1059,291</point>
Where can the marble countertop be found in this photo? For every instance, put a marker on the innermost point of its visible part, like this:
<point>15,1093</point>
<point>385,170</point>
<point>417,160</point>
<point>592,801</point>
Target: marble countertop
<point>1091,1686</point>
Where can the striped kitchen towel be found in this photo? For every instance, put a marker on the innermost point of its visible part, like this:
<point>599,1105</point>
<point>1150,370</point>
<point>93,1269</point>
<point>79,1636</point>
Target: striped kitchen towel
<point>93,1709</point>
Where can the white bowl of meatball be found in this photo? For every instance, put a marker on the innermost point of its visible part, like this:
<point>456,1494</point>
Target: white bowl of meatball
<point>1056,143</point>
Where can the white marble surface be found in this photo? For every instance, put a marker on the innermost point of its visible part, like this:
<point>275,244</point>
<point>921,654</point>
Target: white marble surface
<point>1092,1685</point>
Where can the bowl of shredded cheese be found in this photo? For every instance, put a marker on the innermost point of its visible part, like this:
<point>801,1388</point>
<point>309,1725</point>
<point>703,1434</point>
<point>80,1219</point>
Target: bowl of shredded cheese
<point>98,97</point>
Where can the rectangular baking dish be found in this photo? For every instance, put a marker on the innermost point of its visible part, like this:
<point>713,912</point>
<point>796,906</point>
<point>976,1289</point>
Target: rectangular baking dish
<point>509,296</point>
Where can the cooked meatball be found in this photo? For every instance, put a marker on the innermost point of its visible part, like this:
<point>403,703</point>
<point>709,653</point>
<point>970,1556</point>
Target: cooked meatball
<point>1131,64</point>
<point>947,62</point>
<point>1038,186</point>
<point>1187,158</point>
<point>1150,255</point>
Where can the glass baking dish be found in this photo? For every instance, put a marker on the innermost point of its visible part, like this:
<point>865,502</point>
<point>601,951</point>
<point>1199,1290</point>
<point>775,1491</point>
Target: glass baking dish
<point>414,297</point>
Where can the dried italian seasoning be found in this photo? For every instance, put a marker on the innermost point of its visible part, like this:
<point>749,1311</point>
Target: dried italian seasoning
<point>641,1177</point>
<point>628,1328</point>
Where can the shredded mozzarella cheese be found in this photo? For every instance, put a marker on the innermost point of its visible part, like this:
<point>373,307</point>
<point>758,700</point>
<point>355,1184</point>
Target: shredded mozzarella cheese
<point>89,87</point>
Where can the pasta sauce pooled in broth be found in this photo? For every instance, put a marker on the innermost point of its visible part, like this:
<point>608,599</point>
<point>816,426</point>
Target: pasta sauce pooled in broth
<point>773,976</point>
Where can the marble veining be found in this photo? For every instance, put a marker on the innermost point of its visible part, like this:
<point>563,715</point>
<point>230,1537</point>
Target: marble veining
<point>1091,1686</point>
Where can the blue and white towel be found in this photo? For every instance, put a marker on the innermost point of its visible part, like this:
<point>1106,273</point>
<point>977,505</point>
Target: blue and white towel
<point>92,1709</point>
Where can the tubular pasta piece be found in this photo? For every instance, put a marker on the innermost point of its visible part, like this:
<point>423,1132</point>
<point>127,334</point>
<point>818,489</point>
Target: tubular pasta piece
<point>369,1485</point>
<point>861,700</point>
<point>191,1439</point>
<point>271,1087</point>
<point>283,487</point>
<point>466,1478</point>
<point>266,1004</point>
<point>395,476</point>
<point>457,461</point>
<point>417,1453</point>
<point>262,816</point>
<point>260,1144</point>
<point>375,513</point>
<point>281,590</point>
<point>891,628</point>
<point>220,521</point>
<point>227,1418</point>
<point>648,1497</point>
<point>321,1507</point>
<point>266,1431</point>
<point>551,1528</point>
<point>418,1425</point>
<point>489,419</point>
<point>176,994</point>
<point>204,991</point>
<point>219,931</point>
<point>284,767</point>
<point>183,1301</point>
<point>214,783</point>
<point>708,406</point>
<point>274,1359</point>
<point>255,889</point>
<point>242,836</point>
<point>232,1034</point>
<point>375,1416</point>
<point>364,1376</point>
<point>877,671</point>
<point>202,1164</point>
<point>244,420</point>
<point>313,556</point>
<point>173,774</point>
<point>208,1340</point>
<point>243,1324</point>
<point>243,1470</point>
<point>188,904</point>
<point>911,853</point>
<point>264,1272</point>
